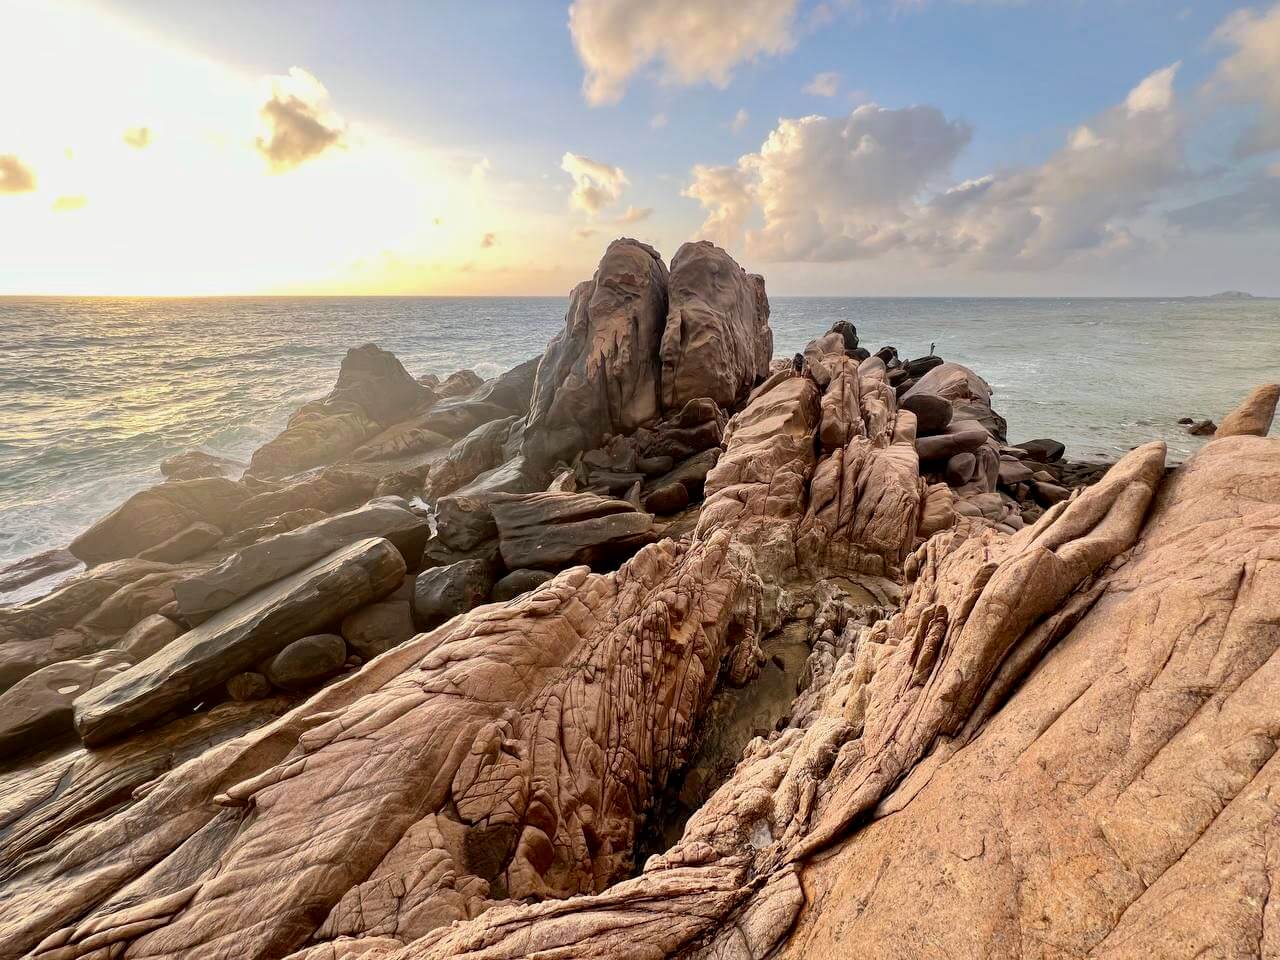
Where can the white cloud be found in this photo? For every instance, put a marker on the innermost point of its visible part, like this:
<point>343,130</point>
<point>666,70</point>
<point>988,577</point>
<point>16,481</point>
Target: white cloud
<point>739,120</point>
<point>839,189</point>
<point>1251,74</point>
<point>298,125</point>
<point>690,43</point>
<point>824,84</point>
<point>635,215</point>
<point>595,184</point>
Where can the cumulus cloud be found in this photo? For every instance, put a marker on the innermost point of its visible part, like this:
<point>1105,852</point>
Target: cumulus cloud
<point>739,121</point>
<point>824,84</point>
<point>595,184</point>
<point>845,188</point>
<point>635,215</point>
<point>138,137</point>
<point>1255,207</point>
<point>1251,74</point>
<point>15,176</point>
<point>69,203</point>
<point>689,43</point>
<point>297,121</point>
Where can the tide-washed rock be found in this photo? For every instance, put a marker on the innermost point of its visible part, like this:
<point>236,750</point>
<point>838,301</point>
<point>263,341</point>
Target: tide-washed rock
<point>247,686</point>
<point>517,475</point>
<point>149,635</point>
<point>933,413</point>
<point>961,468</point>
<point>969,394</point>
<point>1012,472</point>
<point>198,465</point>
<point>441,593</point>
<point>459,383</point>
<point>375,629</point>
<point>519,582</point>
<point>259,564</point>
<point>240,636</point>
<point>158,513</point>
<point>1202,428</point>
<point>184,545</point>
<point>600,374</point>
<point>307,661</point>
<point>36,712</point>
<point>372,392</point>
<point>1043,451</point>
<point>479,451</point>
<point>330,490</point>
<point>34,568</point>
<point>1254,415</point>
<point>512,390</point>
<point>716,342</point>
<point>554,530</point>
<point>463,523</point>
<point>457,418</point>
<point>961,436</point>
<point>487,759</point>
<point>668,498</point>
<point>400,440</point>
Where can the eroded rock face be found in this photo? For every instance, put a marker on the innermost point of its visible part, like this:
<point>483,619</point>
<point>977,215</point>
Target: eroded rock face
<point>600,374</point>
<point>515,745</point>
<point>717,342</point>
<point>554,530</point>
<point>238,637</point>
<point>1253,417</point>
<point>372,392</point>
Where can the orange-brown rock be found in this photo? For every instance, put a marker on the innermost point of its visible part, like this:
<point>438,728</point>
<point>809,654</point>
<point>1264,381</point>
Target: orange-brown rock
<point>716,342</point>
<point>1254,415</point>
<point>600,374</point>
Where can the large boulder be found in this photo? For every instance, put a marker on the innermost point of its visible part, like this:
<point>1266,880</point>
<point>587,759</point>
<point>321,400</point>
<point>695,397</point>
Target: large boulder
<point>478,451</point>
<point>198,465</point>
<point>375,629</point>
<point>260,564</point>
<point>307,661</point>
<point>372,392</point>
<point>969,394</point>
<point>600,374</point>
<point>157,514</point>
<point>553,530</point>
<point>237,638</point>
<point>36,712</point>
<point>443,592</point>
<point>1254,415</point>
<point>717,342</point>
<point>331,489</point>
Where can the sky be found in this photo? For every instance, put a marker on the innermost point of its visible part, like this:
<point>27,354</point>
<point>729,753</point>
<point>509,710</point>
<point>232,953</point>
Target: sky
<point>839,147</point>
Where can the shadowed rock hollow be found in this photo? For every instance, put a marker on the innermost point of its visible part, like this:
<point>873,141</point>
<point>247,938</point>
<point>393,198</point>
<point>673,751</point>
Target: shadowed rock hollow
<point>1028,717</point>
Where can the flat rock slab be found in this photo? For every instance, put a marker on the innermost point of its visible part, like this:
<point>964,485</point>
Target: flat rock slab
<point>239,637</point>
<point>267,561</point>
<point>554,530</point>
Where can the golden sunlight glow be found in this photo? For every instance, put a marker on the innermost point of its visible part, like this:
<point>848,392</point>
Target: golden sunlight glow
<point>193,206</point>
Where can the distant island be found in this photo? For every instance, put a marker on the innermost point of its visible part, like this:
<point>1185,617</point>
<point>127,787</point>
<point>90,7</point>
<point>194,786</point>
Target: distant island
<point>1227,295</point>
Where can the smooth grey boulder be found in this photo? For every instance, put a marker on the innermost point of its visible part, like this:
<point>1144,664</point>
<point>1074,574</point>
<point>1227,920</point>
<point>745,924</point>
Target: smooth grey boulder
<point>377,628</point>
<point>933,413</point>
<point>519,581</point>
<point>36,712</point>
<point>266,561</point>
<point>188,543</point>
<point>307,661</point>
<point>442,593</point>
<point>553,530</point>
<point>248,686</point>
<point>667,499</point>
<point>463,523</point>
<point>235,639</point>
<point>962,436</point>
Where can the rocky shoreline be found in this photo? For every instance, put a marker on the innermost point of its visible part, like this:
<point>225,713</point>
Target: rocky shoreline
<point>654,646</point>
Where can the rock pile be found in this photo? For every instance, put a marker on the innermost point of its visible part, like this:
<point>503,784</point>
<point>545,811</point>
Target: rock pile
<point>811,631</point>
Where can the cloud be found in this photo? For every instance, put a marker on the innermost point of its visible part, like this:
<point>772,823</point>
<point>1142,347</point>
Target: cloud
<point>488,240</point>
<point>595,184</point>
<point>1251,74</point>
<point>297,121</point>
<point>690,43</point>
<point>635,215</point>
<point>658,121</point>
<point>856,187</point>
<point>739,120</point>
<point>15,176</point>
<point>138,137</point>
<point>1256,207</point>
<point>69,203</point>
<point>824,84</point>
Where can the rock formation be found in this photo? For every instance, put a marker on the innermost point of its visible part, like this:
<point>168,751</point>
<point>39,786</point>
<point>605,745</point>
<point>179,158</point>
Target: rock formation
<point>720,658</point>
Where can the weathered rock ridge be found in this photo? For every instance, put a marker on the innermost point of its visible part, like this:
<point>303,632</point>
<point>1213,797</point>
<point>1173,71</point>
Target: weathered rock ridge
<point>454,655</point>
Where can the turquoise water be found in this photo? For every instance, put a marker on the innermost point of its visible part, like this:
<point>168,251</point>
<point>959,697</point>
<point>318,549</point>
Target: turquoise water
<point>94,392</point>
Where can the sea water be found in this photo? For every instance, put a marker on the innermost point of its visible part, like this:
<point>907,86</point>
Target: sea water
<point>95,392</point>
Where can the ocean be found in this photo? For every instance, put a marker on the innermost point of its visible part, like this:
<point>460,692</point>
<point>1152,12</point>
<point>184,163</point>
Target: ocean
<point>95,392</point>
